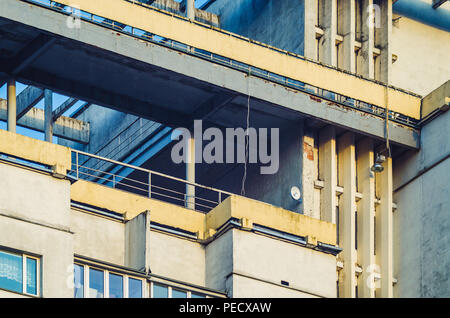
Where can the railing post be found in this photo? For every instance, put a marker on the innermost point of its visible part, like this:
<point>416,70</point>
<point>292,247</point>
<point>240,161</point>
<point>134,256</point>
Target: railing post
<point>149,184</point>
<point>220,197</point>
<point>76,162</point>
<point>114,180</point>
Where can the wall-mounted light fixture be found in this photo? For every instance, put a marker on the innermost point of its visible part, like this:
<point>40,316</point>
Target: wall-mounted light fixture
<point>378,167</point>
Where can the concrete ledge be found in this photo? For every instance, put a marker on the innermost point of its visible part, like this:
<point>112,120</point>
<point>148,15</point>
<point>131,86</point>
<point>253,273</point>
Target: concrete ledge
<point>131,205</point>
<point>437,99</point>
<point>36,151</point>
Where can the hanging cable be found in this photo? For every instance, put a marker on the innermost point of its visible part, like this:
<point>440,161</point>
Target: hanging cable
<point>244,177</point>
<point>386,100</point>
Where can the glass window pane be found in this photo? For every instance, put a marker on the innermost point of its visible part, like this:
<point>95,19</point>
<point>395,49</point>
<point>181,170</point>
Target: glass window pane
<point>96,284</point>
<point>78,281</point>
<point>179,293</point>
<point>195,295</point>
<point>115,286</point>
<point>134,288</point>
<point>160,291</point>
<point>11,272</point>
<point>31,276</point>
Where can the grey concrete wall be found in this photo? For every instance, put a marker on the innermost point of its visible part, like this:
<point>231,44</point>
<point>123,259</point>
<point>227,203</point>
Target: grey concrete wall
<point>137,242</point>
<point>98,238</point>
<point>421,221</point>
<point>177,258</point>
<point>219,263</point>
<point>274,22</point>
<point>268,261</point>
<point>35,219</point>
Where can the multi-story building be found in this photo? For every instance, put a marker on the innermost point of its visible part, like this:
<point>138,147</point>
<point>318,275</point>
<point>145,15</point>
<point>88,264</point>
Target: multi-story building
<point>313,137</point>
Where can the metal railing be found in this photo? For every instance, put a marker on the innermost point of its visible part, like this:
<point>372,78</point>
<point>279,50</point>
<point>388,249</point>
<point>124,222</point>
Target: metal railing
<point>228,62</point>
<point>144,182</point>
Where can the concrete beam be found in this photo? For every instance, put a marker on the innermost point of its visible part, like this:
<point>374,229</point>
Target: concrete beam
<point>384,229</point>
<point>185,65</point>
<point>48,115</point>
<point>64,107</point>
<point>366,214</point>
<point>27,99</point>
<point>328,173</point>
<point>11,106</point>
<point>347,209</point>
<point>64,127</point>
<point>310,18</point>
<point>367,39</point>
<point>328,40</point>
<point>30,53</point>
<point>385,41</point>
<point>348,46</point>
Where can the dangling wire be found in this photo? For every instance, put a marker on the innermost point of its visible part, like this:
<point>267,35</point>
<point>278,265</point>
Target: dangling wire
<point>244,178</point>
<point>386,100</point>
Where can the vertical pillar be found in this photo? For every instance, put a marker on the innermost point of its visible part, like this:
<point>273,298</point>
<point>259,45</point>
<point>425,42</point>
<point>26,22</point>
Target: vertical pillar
<point>190,173</point>
<point>328,174</point>
<point>310,17</point>
<point>12,105</point>
<point>347,209</point>
<point>366,213</point>
<point>308,176</point>
<point>384,249</point>
<point>190,9</point>
<point>329,20</point>
<point>48,112</point>
<point>367,38</point>
<point>385,41</point>
<point>349,32</point>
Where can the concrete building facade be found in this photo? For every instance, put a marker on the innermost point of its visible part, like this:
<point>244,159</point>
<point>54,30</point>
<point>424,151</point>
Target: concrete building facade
<point>354,93</point>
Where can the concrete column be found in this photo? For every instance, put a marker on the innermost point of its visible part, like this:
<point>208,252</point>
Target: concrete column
<point>384,228</point>
<point>12,105</point>
<point>347,209</point>
<point>310,18</point>
<point>385,41</point>
<point>190,9</point>
<point>190,173</point>
<point>48,111</point>
<point>367,38</point>
<point>308,177</point>
<point>366,213</point>
<point>328,174</point>
<point>348,46</point>
<point>328,41</point>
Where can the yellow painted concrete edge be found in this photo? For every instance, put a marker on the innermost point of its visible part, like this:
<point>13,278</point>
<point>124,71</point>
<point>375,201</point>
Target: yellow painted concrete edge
<point>437,99</point>
<point>252,211</point>
<point>56,156</point>
<point>206,38</point>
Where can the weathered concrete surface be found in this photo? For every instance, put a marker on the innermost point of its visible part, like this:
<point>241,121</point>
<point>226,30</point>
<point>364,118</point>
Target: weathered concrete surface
<point>35,218</point>
<point>137,242</point>
<point>421,221</point>
<point>244,264</point>
<point>275,97</point>
<point>64,127</point>
<point>277,23</point>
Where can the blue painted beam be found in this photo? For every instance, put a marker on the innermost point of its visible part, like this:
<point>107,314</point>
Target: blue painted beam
<point>423,12</point>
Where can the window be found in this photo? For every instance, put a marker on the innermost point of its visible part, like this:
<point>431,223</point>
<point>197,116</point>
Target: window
<point>98,283</point>
<point>164,291</point>
<point>115,286</point>
<point>79,281</point>
<point>19,273</point>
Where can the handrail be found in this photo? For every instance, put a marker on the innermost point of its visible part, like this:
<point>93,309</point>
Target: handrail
<point>80,170</point>
<point>243,67</point>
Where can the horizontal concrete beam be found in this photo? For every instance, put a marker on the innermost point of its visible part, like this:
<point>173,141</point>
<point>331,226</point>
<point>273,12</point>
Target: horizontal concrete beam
<point>64,127</point>
<point>27,99</point>
<point>190,67</point>
<point>64,107</point>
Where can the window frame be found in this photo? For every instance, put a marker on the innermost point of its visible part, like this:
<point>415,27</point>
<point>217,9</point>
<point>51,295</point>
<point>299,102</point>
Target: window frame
<point>25,256</point>
<point>106,273</point>
<point>170,290</point>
